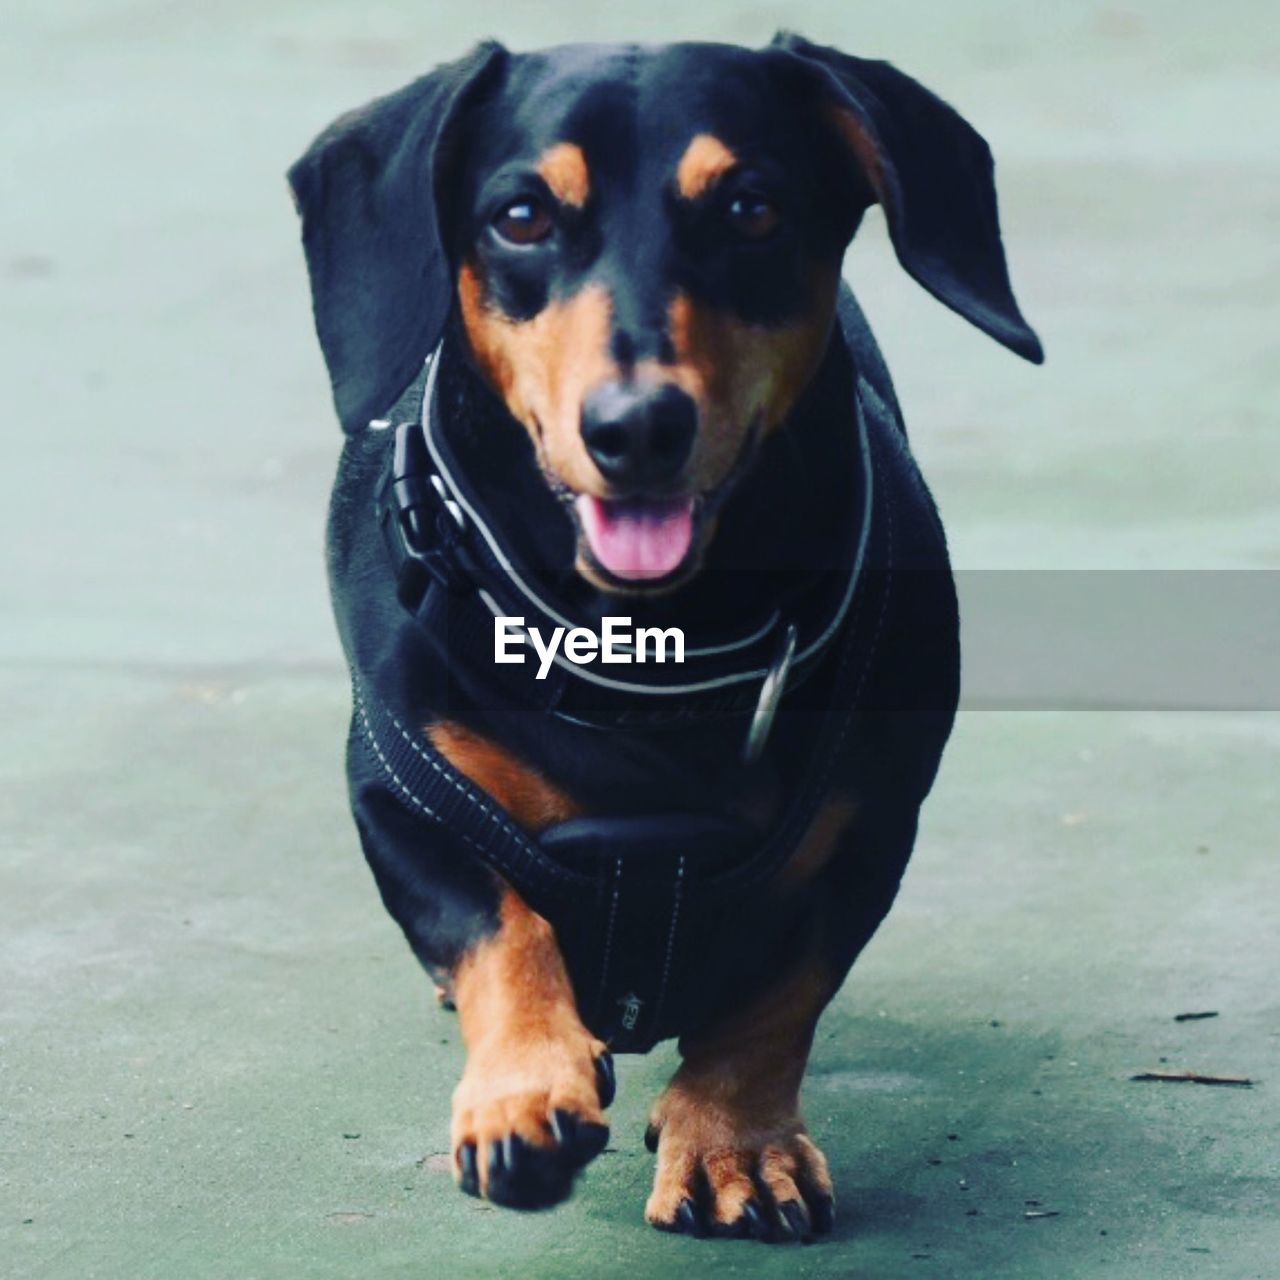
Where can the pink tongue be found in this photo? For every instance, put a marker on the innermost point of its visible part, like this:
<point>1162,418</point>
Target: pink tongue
<point>633,538</point>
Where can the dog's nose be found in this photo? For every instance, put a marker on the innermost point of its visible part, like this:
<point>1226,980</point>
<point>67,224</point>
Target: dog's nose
<point>638,436</point>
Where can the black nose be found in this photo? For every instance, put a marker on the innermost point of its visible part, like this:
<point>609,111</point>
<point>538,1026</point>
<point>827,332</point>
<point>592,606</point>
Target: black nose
<point>638,436</point>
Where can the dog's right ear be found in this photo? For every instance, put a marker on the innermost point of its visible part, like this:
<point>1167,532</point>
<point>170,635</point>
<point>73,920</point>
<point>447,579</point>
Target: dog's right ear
<point>367,190</point>
<point>932,173</point>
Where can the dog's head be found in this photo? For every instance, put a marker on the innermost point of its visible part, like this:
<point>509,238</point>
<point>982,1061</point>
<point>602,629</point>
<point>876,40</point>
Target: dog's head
<point>644,246</point>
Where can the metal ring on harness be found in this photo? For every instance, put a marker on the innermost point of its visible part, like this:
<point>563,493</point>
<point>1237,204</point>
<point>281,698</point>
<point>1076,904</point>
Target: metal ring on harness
<point>772,688</point>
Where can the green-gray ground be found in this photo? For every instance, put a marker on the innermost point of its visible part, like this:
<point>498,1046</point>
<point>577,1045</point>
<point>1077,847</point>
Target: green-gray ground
<point>217,1057</point>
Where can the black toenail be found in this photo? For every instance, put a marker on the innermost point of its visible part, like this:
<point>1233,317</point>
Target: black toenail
<point>606,1080</point>
<point>796,1220</point>
<point>823,1214</point>
<point>753,1220</point>
<point>590,1139</point>
<point>468,1180</point>
<point>564,1127</point>
<point>688,1219</point>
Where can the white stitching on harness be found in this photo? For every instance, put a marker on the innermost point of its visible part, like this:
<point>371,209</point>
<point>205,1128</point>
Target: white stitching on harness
<point>671,941</point>
<point>613,917</point>
<point>387,764</point>
<point>887,499</point>
<point>471,795</point>
<point>884,604</point>
<point>403,787</point>
<point>875,637</point>
<point>463,790</point>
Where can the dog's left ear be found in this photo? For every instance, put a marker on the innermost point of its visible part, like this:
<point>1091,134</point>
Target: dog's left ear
<point>381,283</point>
<point>933,174</point>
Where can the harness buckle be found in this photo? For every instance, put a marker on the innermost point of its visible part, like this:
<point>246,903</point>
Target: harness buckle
<point>421,525</point>
<point>772,687</point>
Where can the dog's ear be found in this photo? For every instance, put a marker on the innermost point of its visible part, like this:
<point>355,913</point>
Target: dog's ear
<point>933,174</point>
<point>368,192</point>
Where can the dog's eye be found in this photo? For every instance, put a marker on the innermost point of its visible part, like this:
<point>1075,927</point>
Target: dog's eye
<point>525,221</point>
<point>752,216</point>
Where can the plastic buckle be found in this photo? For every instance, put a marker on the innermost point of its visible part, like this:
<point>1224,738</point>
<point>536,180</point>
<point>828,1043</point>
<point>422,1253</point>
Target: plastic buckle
<point>421,525</point>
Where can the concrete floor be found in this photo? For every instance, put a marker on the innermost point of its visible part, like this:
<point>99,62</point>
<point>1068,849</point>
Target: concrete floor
<point>217,1058</point>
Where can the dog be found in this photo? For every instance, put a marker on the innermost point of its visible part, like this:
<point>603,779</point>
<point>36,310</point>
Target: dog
<point>583,317</point>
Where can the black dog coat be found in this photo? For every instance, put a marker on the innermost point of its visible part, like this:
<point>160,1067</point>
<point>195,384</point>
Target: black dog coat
<point>651,912</point>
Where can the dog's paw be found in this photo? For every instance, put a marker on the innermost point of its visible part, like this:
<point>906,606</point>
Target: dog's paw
<point>723,1172</point>
<point>527,1117</point>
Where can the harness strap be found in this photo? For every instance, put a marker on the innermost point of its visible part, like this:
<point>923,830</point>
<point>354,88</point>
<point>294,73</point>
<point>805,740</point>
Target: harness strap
<point>455,576</point>
<point>633,898</point>
<point>430,785</point>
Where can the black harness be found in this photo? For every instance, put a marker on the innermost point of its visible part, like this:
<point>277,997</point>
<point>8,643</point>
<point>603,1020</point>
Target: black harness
<point>637,902</point>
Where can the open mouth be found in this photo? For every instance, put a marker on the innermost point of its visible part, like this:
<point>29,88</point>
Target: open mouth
<point>638,539</point>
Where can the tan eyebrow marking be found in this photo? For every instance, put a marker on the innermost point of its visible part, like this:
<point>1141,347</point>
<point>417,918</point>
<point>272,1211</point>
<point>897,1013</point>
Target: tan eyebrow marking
<point>863,147</point>
<point>706,159</point>
<point>564,169</point>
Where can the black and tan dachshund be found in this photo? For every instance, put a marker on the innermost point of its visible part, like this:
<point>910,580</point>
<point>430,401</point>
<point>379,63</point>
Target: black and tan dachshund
<point>583,315</point>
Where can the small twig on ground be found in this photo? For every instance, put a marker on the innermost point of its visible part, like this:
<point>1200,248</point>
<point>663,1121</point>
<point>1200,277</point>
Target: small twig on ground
<point>1193,1077</point>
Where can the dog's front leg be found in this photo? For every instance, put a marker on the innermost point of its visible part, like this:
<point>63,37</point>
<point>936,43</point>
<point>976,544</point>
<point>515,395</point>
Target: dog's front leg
<point>734,1157</point>
<point>529,1110</point>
